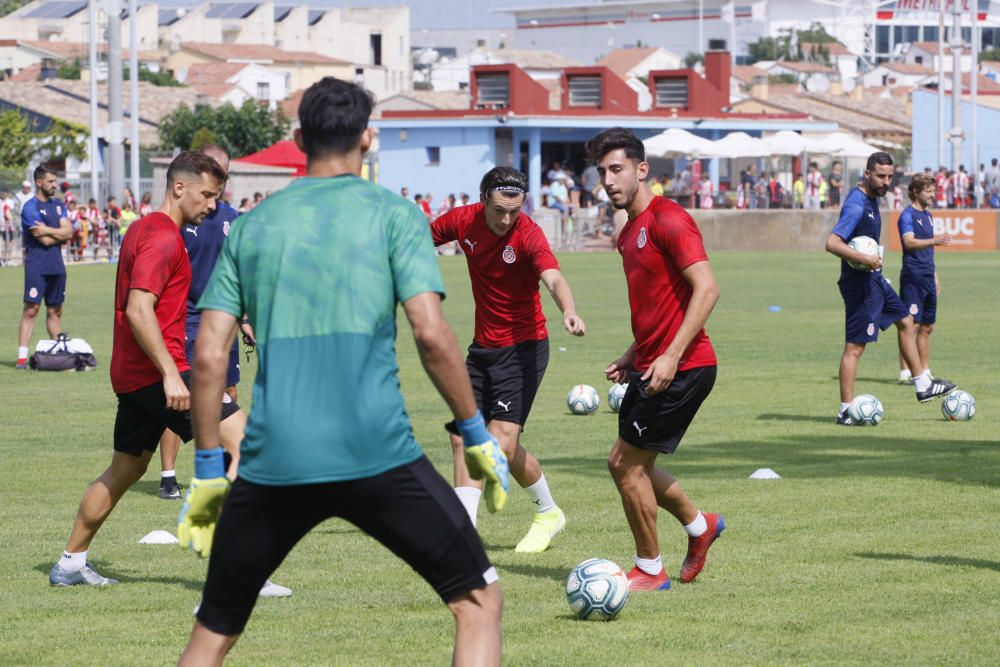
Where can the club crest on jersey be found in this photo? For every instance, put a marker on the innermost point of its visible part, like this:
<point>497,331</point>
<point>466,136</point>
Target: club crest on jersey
<point>33,292</point>
<point>914,309</point>
<point>508,254</point>
<point>641,242</point>
<point>225,228</point>
<point>871,328</point>
<point>58,210</point>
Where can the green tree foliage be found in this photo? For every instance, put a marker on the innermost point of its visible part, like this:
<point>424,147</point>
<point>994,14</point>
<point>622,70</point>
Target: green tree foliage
<point>8,6</point>
<point>203,137</point>
<point>16,148</point>
<point>692,59</point>
<point>989,54</point>
<point>241,131</point>
<point>788,45</point>
<point>19,144</point>
<point>164,79</point>
<point>69,69</point>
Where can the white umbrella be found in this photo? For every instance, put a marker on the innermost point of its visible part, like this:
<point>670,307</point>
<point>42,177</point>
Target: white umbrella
<point>676,142</point>
<point>844,145</point>
<point>738,144</point>
<point>787,142</point>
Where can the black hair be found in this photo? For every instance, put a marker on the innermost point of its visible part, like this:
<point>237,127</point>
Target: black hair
<point>41,171</point>
<point>332,116</point>
<point>194,163</point>
<point>612,139</point>
<point>507,180</point>
<point>881,157</point>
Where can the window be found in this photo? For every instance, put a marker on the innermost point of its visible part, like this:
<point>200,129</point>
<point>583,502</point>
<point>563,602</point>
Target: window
<point>911,33</point>
<point>882,39</point>
<point>493,90</point>
<point>375,48</point>
<point>433,156</point>
<point>930,33</point>
<point>263,91</point>
<point>672,93</point>
<point>584,91</point>
<point>919,60</point>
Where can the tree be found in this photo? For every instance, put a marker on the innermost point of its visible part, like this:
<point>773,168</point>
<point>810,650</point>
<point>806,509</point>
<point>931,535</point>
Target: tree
<point>765,48</point>
<point>69,69</point>
<point>989,54</point>
<point>203,137</point>
<point>163,79</point>
<point>248,129</point>
<point>16,148</point>
<point>20,144</point>
<point>692,59</point>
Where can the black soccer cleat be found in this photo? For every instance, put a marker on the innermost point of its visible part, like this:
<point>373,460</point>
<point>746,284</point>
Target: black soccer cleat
<point>844,419</point>
<point>170,489</point>
<point>939,387</point>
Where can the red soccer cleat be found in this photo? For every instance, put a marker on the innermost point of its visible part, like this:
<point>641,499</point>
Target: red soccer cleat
<point>698,547</point>
<point>641,581</point>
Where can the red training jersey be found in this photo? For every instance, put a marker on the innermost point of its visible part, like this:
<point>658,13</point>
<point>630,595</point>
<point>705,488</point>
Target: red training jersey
<point>655,247</point>
<point>152,258</point>
<point>504,270</point>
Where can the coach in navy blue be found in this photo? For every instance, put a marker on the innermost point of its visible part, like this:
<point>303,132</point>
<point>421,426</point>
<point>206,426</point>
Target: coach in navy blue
<point>46,228</point>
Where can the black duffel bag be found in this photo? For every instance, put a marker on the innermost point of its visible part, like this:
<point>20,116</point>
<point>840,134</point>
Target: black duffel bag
<point>59,358</point>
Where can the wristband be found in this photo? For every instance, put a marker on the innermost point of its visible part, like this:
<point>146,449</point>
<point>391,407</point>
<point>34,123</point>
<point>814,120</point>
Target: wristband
<point>209,463</point>
<point>473,430</point>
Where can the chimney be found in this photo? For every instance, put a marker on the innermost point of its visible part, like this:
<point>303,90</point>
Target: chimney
<point>719,66</point>
<point>836,87</point>
<point>758,87</point>
<point>857,92</point>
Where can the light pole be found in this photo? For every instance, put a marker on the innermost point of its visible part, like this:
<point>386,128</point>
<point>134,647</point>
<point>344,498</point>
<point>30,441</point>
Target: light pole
<point>116,149</point>
<point>956,85</point>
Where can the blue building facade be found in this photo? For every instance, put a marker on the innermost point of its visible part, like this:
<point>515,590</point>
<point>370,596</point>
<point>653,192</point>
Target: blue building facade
<point>925,132</point>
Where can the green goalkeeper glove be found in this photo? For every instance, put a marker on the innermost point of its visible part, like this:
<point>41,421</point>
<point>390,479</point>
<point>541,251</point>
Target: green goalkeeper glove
<point>485,460</point>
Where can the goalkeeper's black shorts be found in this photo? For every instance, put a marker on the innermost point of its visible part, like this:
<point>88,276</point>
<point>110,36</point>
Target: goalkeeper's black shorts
<point>410,509</point>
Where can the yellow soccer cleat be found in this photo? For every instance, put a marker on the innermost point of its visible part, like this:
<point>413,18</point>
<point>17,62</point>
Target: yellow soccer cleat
<point>545,526</point>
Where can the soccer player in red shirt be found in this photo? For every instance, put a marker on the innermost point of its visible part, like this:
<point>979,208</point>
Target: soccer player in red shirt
<point>508,254</point>
<point>670,365</point>
<point>149,371</point>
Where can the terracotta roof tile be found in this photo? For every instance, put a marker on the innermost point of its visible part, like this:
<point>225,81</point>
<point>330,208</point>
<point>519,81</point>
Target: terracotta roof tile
<point>258,52</point>
<point>621,61</point>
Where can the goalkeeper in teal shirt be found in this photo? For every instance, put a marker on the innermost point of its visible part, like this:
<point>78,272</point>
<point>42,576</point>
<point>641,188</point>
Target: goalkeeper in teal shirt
<point>319,269</point>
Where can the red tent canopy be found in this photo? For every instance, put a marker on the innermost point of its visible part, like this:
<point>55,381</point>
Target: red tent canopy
<point>281,154</point>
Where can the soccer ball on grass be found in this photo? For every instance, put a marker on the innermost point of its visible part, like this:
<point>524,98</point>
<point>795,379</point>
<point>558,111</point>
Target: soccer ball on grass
<point>615,396</point>
<point>866,410</point>
<point>958,406</point>
<point>597,590</point>
<point>582,399</point>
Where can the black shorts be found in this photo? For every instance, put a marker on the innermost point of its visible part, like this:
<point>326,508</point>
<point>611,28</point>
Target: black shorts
<point>506,379</point>
<point>143,414</point>
<point>410,509</point>
<point>658,422</point>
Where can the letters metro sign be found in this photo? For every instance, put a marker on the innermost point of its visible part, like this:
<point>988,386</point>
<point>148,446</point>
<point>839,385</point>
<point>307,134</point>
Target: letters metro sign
<point>969,229</point>
<point>903,7</point>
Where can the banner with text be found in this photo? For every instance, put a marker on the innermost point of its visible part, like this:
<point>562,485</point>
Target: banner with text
<point>970,230</point>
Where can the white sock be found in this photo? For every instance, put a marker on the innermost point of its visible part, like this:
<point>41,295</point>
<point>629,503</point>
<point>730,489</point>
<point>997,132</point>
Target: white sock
<point>905,375</point>
<point>469,496</point>
<point>697,527</point>
<point>843,408</point>
<point>22,353</point>
<point>923,381</point>
<point>651,566</point>
<point>540,495</point>
<point>73,562</point>
<point>167,473</point>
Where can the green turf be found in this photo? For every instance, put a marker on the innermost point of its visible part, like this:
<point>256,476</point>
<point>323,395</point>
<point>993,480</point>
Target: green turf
<point>877,546</point>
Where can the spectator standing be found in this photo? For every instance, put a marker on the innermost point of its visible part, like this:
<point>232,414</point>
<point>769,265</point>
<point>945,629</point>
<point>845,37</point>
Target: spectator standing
<point>656,187</point>
<point>590,181</point>
<point>747,183</point>
<point>146,206</point>
<point>814,181</point>
<point>128,216</point>
<point>941,188</point>
<point>993,184</point>
<point>7,236</point>
<point>114,216</point>
<point>775,193</point>
<point>706,191</point>
<point>836,184</point>
<point>798,191</point>
<point>24,195</point>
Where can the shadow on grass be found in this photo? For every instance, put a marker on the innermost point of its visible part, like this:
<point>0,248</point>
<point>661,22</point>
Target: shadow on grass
<point>537,571</point>
<point>151,487</point>
<point>777,417</point>
<point>950,561</point>
<point>870,380</point>
<point>108,571</point>
<point>839,453</point>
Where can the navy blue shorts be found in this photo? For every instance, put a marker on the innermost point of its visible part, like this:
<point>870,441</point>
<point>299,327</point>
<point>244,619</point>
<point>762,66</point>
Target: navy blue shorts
<point>232,372</point>
<point>870,305</point>
<point>919,295</point>
<point>51,286</point>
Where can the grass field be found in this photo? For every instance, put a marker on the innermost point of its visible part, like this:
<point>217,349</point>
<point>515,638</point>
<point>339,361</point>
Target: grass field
<point>876,546</point>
